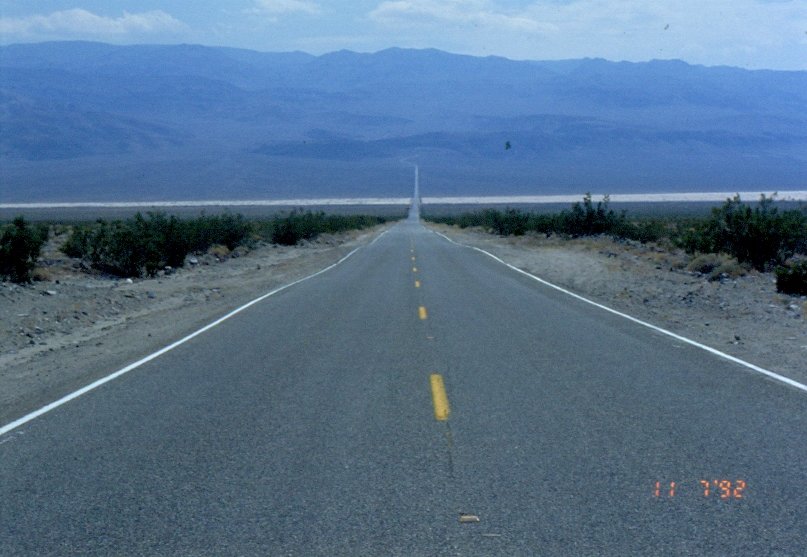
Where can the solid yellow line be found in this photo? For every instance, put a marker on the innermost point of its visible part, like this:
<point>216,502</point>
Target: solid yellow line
<point>439,397</point>
<point>417,284</point>
<point>422,312</point>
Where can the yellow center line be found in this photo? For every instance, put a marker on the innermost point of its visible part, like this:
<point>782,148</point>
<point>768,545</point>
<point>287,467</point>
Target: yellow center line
<point>417,284</point>
<point>414,269</point>
<point>422,312</point>
<point>439,397</point>
<point>413,258</point>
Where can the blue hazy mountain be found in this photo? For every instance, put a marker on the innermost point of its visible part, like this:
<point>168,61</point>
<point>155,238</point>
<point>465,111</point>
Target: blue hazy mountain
<point>83,120</point>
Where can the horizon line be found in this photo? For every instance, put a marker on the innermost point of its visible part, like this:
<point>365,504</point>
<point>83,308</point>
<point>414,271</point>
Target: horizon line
<point>791,195</point>
<point>417,49</point>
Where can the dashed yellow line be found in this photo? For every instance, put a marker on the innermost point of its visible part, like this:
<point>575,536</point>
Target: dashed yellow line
<point>422,312</point>
<point>439,397</point>
<point>417,284</point>
<point>414,269</point>
<point>413,258</point>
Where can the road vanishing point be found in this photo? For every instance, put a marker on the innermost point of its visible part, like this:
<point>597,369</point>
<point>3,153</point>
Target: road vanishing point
<point>418,398</point>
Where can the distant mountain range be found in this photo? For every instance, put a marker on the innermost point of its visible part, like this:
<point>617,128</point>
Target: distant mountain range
<point>81,121</point>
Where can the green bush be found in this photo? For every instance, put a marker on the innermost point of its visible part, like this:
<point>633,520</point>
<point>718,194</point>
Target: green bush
<point>143,245</point>
<point>119,248</point>
<point>293,228</point>
<point>158,240</point>
<point>77,243</point>
<point>644,231</point>
<point>299,225</point>
<point>791,278</point>
<point>584,219</point>
<point>227,229</point>
<point>762,237</point>
<point>20,244</point>
<point>587,220</point>
<point>509,223</point>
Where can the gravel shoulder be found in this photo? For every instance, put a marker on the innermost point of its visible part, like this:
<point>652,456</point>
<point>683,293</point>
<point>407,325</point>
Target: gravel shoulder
<point>62,333</point>
<point>744,316</point>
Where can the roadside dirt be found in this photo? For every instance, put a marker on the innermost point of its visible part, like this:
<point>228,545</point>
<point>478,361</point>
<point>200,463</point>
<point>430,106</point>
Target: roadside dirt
<point>59,334</point>
<point>742,316</point>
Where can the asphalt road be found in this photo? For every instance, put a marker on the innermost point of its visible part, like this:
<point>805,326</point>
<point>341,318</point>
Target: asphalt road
<point>314,423</point>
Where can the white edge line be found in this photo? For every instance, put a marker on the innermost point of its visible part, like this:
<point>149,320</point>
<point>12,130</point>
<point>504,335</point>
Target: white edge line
<point>377,238</point>
<point>709,349</point>
<point>94,385</point>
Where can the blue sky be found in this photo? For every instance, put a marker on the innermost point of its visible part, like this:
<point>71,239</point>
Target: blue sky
<point>745,33</point>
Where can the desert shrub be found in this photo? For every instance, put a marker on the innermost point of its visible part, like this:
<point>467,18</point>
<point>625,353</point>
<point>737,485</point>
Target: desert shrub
<point>171,239</point>
<point>504,223</point>
<point>511,222</point>
<point>42,274</point>
<point>546,224</point>
<point>587,220</point>
<point>219,250</point>
<point>131,248</point>
<point>333,224</point>
<point>464,220</point>
<point>77,243</point>
<point>705,263</point>
<point>716,265</point>
<point>762,237</point>
<point>144,245</point>
<point>121,248</point>
<point>584,219</point>
<point>644,231</point>
<point>20,244</point>
<point>791,278</point>
<point>227,229</point>
<point>304,225</point>
<point>293,228</point>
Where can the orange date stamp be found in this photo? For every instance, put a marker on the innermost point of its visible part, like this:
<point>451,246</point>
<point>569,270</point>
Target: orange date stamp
<point>722,489</point>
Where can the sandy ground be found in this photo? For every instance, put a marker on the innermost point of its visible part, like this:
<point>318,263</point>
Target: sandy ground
<point>60,334</point>
<point>744,317</point>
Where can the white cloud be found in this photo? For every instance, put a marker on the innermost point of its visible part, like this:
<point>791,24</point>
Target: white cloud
<point>82,22</point>
<point>461,12</point>
<point>748,32</point>
<point>284,7</point>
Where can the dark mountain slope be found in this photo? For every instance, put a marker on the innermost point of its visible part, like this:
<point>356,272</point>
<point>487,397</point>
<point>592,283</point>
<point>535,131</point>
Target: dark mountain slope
<point>344,122</point>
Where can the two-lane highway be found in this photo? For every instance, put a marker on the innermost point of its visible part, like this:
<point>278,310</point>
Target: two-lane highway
<point>380,408</point>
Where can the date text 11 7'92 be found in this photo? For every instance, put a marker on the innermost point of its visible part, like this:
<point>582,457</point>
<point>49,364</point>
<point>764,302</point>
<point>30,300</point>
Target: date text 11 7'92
<point>724,489</point>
